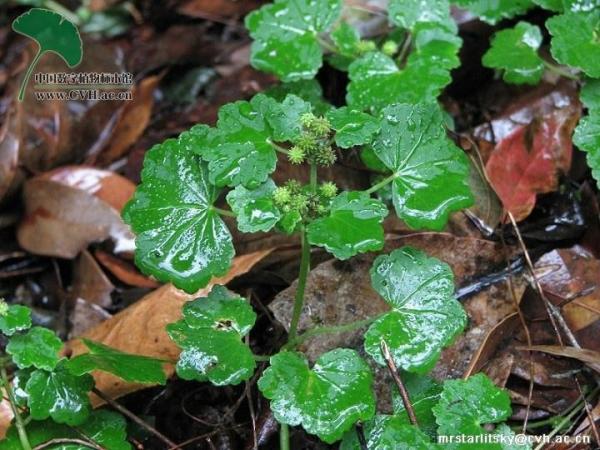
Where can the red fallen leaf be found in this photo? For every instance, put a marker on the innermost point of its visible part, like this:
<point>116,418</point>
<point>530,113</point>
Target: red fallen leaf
<point>530,159</point>
<point>69,208</point>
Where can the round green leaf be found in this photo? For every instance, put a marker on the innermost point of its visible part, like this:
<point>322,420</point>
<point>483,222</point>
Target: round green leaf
<point>424,394</point>
<point>180,238</point>
<point>254,209</point>
<point>492,11</point>
<point>425,315</point>
<point>467,404</point>
<point>241,152</point>
<point>286,36</point>
<point>128,367</point>
<point>210,335</point>
<point>408,13</point>
<point>60,395</point>
<point>352,127</point>
<point>326,400</point>
<point>388,433</point>
<point>106,428</point>
<point>575,40</point>
<point>514,50</point>
<point>354,225</point>
<point>14,318</point>
<point>587,138</point>
<point>431,174</point>
<point>38,347</point>
<point>284,117</point>
<point>308,90</point>
<point>376,81</point>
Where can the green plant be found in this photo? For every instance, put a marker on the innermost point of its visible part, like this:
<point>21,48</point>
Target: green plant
<point>48,393</point>
<point>392,117</point>
<point>575,43</point>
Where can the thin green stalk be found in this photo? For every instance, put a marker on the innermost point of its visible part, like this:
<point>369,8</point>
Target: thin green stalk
<point>302,277</point>
<point>261,358</point>
<point>13,404</point>
<point>332,329</point>
<point>278,148</point>
<point>382,183</point>
<point>223,212</point>
<point>405,48</point>
<point>560,71</point>
<point>326,45</point>
<point>313,177</point>
<point>284,437</point>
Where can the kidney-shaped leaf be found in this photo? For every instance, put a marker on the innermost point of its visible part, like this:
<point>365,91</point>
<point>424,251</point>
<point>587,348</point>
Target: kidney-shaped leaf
<point>286,36</point>
<point>430,172</point>
<point>239,150</point>
<point>14,318</point>
<point>352,127</point>
<point>133,368</point>
<point>493,11</point>
<point>388,433</point>
<point>60,395</point>
<point>587,133</point>
<point>575,40</point>
<point>425,315</point>
<point>353,225</point>
<point>327,399</point>
<point>210,335</point>
<point>408,13</point>
<point>53,33</point>
<point>106,428</point>
<point>180,238</point>
<point>514,50</point>
<point>38,348</point>
<point>467,404</point>
<point>255,209</point>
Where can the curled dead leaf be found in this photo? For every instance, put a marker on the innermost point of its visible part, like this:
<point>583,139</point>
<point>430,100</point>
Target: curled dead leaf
<point>68,208</point>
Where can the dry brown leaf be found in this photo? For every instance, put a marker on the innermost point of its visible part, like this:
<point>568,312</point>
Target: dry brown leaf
<point>140,329</point>
<point>69,208</point>
<point>132,122</point>
<point>589,357</point>
<point>90,283</point>
<point>124,271</point>
<point>6,416</point>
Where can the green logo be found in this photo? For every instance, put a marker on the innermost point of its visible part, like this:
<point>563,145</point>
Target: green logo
<point>53,33</point>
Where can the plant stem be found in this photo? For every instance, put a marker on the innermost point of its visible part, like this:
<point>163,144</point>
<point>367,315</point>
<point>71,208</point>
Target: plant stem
<point>278,148</point>
<point>326,45</point>
<point>560,71</point>
<point>302,276</point>
<point>331,329</point>
<point>260,358</point>
<point>313,177</point>
<point>398,380</point>
<point>223,212</point>
<point>405,48</point>
<point>23,438</point>
<point>25,81</point>
<point>382,183</point>
<point>284,437</point>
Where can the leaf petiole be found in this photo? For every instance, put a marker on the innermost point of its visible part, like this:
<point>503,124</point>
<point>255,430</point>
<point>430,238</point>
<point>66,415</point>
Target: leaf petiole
<point>223,212</point>
<point>302,277</point>
<point>326,45</point>
<point>278,148</point>
<point>23,438</point>
<point>382,183</point>
<point>560,71</point>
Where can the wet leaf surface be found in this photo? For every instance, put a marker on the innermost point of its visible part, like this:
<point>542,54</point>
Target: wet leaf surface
<point>38,347</point>
<point>327,399</point>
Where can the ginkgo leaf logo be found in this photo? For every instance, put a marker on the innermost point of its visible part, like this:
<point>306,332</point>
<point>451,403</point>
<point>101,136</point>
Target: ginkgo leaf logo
<point>53,33</point>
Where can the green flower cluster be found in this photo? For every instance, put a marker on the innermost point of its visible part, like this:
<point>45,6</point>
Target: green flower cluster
<point>309,203</point>
<point>314,144</point>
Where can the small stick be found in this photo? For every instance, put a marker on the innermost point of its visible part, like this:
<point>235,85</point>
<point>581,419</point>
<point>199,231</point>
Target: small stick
<point>135,418</point>
<point>360,434</point>
<point>53,442</point>
<point>396,376</point>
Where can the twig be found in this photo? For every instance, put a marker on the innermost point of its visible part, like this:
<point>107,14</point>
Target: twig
<point>360,434</point>
<point>556,319</point>
<point>511,288</point>
<point>56,441</point>
<point>396,376</point>
<point>134,418</point>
